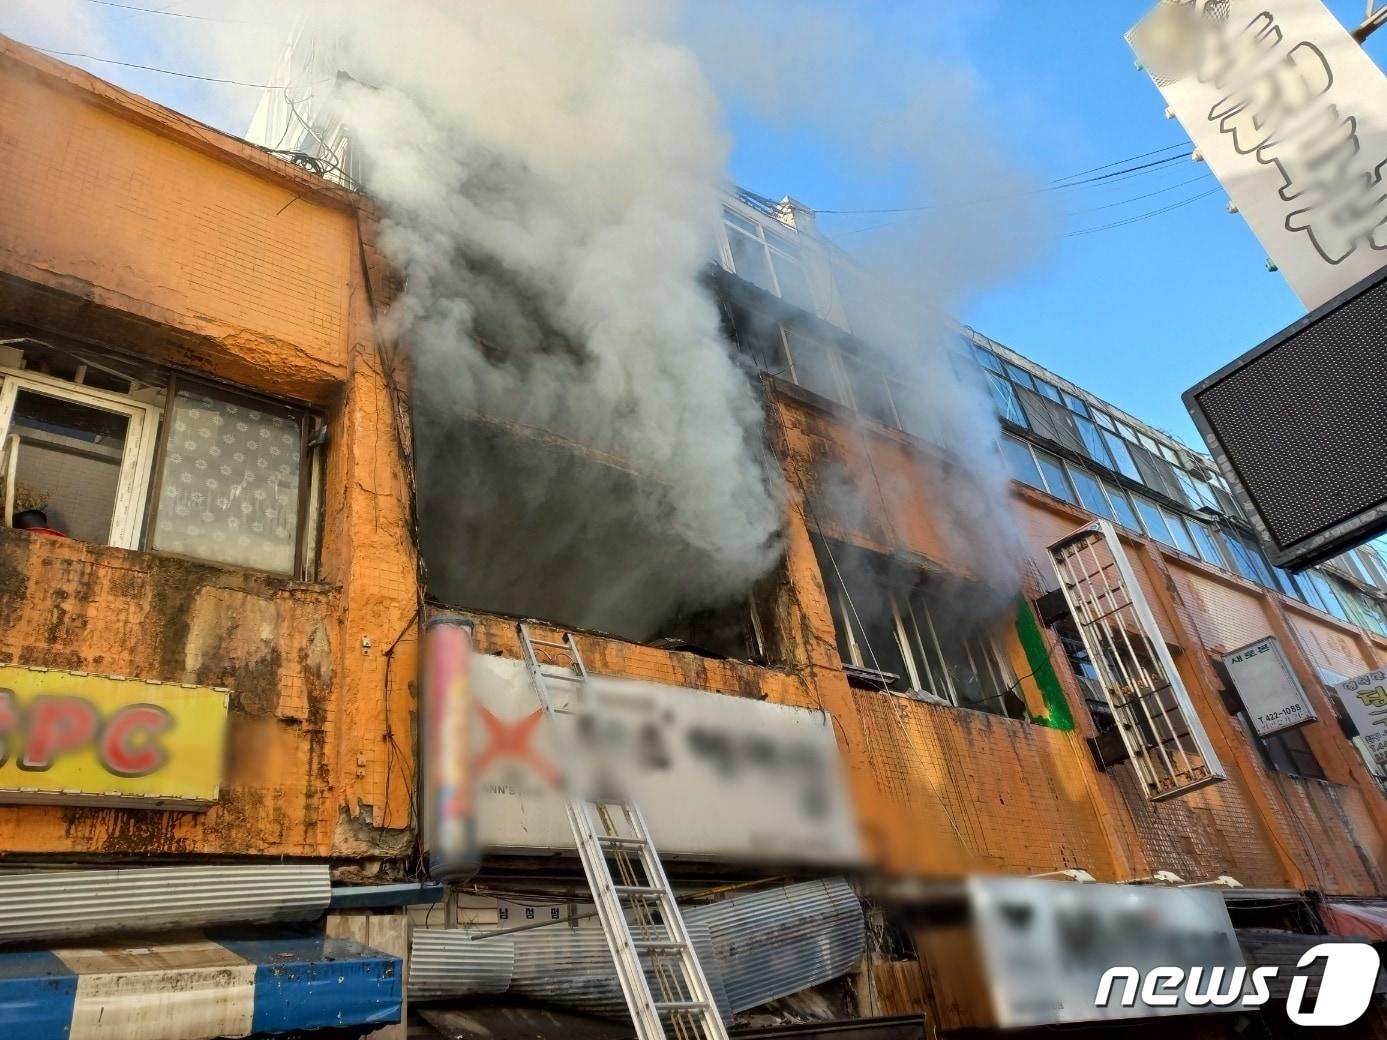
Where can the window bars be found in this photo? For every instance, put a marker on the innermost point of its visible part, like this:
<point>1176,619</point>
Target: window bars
<point>1163,735</point>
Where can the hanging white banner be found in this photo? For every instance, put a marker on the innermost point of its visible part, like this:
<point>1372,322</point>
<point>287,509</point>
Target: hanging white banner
<point>1291,116</point>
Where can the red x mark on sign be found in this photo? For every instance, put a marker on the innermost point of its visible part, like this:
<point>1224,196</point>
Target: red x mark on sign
<point>513,740</point>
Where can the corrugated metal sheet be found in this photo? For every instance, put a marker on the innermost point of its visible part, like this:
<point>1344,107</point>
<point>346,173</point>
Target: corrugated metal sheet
<point>445,962</point>
<point>774,943</point>
<point>58,904</point>
<point>755,947</point>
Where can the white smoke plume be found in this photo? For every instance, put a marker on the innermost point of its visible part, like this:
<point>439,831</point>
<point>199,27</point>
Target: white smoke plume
<point>892,92</point>
<point>551,178</point>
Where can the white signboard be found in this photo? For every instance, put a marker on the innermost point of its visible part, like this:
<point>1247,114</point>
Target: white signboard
<point>1365,700</point>
<point>1291,116</point>
<point>716,776</point>
<point>1269,690</point>
<point>1046,945</point>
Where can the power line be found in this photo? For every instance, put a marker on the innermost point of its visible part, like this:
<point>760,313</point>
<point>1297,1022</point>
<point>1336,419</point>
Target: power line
<point>1057,185</point>
<point>1135,198</point>
<point>166,72</point>
<point>1131,158</point>
<point>174,14</point>
<point>1143,216</point>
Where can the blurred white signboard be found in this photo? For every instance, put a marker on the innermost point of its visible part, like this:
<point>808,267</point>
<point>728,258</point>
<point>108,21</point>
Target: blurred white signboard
<point>1365,700</point>
<point>1291,116</point>
<point>716,776</point>
<point>1269,690</point>
<point>1046,946</point>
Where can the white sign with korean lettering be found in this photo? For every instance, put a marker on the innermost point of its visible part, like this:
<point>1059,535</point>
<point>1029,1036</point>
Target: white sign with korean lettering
<point>1291,116</point>
<point>716,776</point>
<point>1269,690</point>
<point>1365,700</point>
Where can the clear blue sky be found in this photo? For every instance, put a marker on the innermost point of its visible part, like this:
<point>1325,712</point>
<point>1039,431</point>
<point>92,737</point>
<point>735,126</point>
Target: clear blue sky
<point>1136,314</point>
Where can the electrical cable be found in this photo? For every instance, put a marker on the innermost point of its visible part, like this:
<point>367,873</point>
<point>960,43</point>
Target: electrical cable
<point>1115,178</point>
<point>1143,216</point>
<point>174,14</point>
<point>1051,187</point>
<point>1131,158</point>
<point>166,72</point>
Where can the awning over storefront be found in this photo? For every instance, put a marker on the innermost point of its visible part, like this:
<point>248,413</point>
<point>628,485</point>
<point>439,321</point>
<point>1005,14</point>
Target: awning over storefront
<point>1268,948</point>
<point>1367,920</point>
<point>195,988</point>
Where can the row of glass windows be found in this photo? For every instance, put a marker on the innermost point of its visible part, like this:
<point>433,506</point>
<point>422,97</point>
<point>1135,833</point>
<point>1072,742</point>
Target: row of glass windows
<point>1032,402</point>
<point>1222,548</point>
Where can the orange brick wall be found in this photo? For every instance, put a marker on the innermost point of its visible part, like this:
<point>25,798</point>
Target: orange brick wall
<point>131,227</point>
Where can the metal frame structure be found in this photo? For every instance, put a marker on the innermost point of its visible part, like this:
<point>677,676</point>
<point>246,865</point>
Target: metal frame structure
<point>1158,724</point>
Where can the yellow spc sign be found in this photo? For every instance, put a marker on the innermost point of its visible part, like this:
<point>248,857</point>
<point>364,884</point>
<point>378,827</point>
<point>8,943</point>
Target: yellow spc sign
<point>72,738</point>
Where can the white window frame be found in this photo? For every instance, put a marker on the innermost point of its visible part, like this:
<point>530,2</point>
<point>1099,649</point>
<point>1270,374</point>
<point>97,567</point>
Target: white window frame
<point>137,459</point>
<point>768,242</point>
<point>1128,650</point>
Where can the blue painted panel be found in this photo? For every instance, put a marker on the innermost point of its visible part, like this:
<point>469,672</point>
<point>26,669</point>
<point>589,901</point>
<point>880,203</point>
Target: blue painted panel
<point>37,992</point>
<point>311,983</point>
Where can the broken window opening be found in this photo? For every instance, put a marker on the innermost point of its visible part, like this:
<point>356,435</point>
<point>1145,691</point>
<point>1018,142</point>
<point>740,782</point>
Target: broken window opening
<point>902,631</point>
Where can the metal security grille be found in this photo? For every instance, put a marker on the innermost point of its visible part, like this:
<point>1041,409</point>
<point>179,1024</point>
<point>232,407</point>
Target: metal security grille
<point>1163,735</point>
<point>1298,423</point>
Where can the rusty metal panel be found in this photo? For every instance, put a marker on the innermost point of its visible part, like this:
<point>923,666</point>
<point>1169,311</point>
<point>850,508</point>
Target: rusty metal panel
<point>65,903</point>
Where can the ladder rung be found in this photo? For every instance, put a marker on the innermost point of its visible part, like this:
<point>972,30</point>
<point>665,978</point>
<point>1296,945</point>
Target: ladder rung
<point>645,891</point>
<point>551,645</point>
<point>612,841</point>
<point>679,1005</point>
<point>550,677</point>
<point>659,945</point>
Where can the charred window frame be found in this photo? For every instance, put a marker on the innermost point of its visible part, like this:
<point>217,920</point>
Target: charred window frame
<point>891,635</point>
<point>1288,752</point>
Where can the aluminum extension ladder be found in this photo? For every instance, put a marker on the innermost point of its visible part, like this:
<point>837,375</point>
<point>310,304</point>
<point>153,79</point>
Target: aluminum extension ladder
<point>661,978</point>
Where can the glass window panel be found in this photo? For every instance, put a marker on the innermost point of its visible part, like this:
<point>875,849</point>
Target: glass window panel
<point>1179,532</point>
<point>1328,598</point>
<point>229,490</point>
<point>1204,542</point>
<point>738,221</point>
<point>1122,509</point>
<point>987,359</point>
<point>1125,430</point>
<point>1091,495</point>
<point>1187,485</point>
<point>750,260</point>
<point>1075,404</point>
<point>1093,441</point>
<point>1287,583</point>
<point>1048,390</point>
<point>1169,455</point>
<point>1153,520</point>
<point>1019,376</point>
<point>868,386</point>
<point>1056,482</point>
<point>794,287</point>
<point>1148,443</point>
<point>69,458</point>
<point>1105,421</point>
<point>1022,462</point>
<point>1122,457</point>
<point>1004,397</point>
<point>814,366</point>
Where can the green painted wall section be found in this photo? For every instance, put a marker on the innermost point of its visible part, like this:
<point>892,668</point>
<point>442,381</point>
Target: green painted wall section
<point>1057,714</point>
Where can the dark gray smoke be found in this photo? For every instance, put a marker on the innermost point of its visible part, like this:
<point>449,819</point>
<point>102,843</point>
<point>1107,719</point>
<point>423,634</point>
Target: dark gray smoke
<point>587,448</point>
